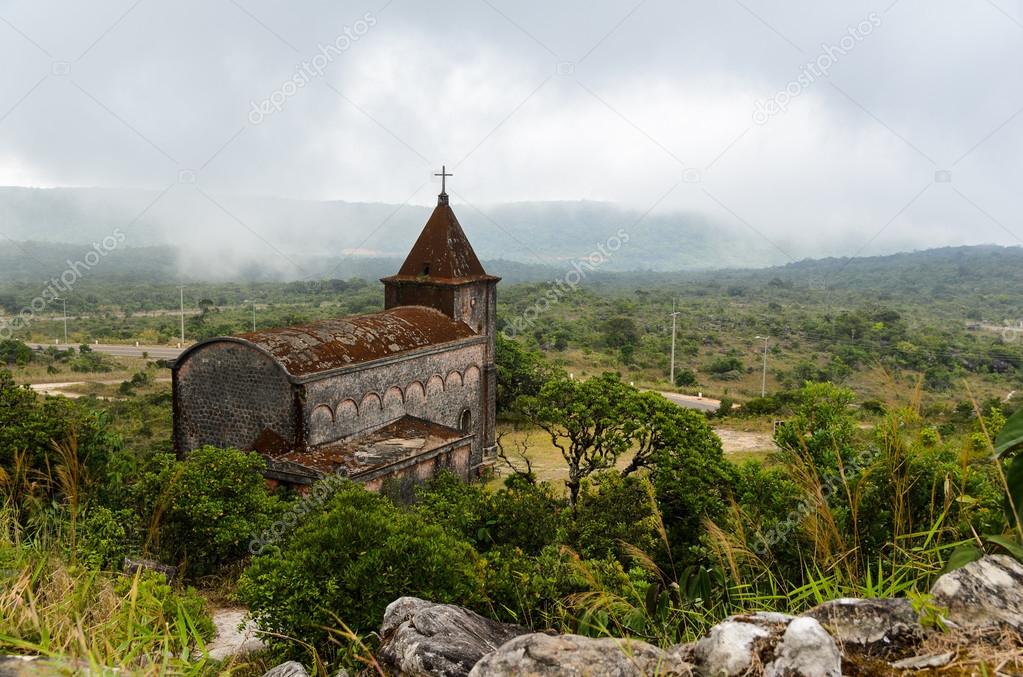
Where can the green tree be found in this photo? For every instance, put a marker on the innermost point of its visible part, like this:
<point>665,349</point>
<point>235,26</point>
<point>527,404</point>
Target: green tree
<point>620,332</point>
<point>691,476</point>
<point>520,372</point>
<point>590,422</point>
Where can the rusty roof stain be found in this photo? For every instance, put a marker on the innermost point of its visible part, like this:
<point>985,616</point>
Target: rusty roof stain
<point>442,252</point>
<point>330,344</point>
<point>403,439</point>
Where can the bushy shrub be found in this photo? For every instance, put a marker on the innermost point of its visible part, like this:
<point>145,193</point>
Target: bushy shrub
<point>90,362</point>
<point>724,365</point>
<point>526,516</point>
<point>521,515</point>
<point>770,515</point>
<point>463,508</point>
<point>760,406</point>
<point>103,538</point>
<point>823,428</point>
<point>207,507</point>
<point>14,352</point>
<point>613,513</point>
<point>532,589</point>
<point>685,378</point>
<point>348,562</point>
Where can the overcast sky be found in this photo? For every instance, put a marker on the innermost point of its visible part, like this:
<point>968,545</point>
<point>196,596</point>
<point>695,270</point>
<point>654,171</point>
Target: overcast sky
<point>660,104</point>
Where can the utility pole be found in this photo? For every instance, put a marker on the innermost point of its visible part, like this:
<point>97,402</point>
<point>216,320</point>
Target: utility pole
<point>674,316</point>
<point>64,301</point>
<point>253,302</point>
<point>182,290</point>
<point>763,381</point>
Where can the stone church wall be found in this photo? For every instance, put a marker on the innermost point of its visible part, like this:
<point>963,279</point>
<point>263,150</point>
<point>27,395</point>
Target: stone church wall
<point>226,394</point>
<point>443,387</point>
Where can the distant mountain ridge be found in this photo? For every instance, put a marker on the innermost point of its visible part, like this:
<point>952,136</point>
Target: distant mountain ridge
<point>228,234</point>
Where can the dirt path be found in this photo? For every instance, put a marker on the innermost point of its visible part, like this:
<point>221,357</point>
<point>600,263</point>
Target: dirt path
<point>64,388</point>
<point>741,441</point>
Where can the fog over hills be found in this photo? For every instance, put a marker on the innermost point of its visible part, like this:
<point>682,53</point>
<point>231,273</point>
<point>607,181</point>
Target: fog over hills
<point>216,236</point>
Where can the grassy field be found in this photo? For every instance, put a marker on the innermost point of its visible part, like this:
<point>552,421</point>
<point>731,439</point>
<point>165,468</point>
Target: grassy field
<point>122,369</point>
<point>522,442</point>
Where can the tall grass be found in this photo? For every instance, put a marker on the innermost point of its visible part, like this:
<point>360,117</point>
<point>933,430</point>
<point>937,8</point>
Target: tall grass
<point>54,606</point>
<point>828,534</point>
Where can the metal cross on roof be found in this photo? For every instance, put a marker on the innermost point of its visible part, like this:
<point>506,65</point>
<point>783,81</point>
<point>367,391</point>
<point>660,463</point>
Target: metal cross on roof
<point>443,174</point>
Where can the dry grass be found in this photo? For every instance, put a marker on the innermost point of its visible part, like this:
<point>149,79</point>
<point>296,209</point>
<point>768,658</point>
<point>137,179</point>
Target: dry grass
<point>123,369</point>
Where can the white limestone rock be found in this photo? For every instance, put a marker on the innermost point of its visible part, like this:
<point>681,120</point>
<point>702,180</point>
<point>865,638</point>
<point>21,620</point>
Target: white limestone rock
<point>736,645</point>
<point>805,650</point>
<point>237,635</point>
<point>540,655</point>
<point>983,595</point>
<point>424,639</point>
<point>289,669</point>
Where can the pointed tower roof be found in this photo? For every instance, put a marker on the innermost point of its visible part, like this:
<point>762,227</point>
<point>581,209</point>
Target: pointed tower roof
<point>442,253</point>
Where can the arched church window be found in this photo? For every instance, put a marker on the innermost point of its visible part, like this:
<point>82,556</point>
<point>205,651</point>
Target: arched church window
<point>465,422</point>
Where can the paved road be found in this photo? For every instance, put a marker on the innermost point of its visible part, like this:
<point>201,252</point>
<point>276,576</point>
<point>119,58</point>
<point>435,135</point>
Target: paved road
<point>170,353</point>
<point>154,352</point>
<point>690,402</point>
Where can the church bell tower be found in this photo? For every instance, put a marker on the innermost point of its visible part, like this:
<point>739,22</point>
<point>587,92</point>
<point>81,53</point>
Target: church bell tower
<point>443,272</point>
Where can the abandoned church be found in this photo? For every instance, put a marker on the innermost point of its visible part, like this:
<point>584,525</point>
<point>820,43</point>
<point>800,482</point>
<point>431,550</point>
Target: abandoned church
<point>398,394</point>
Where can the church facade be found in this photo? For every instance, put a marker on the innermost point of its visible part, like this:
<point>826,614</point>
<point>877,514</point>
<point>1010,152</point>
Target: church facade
<point>396,395</point>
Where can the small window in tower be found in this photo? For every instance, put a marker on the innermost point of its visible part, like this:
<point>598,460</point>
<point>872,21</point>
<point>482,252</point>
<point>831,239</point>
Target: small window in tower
<point>465,422</point>
<point>426,269</point>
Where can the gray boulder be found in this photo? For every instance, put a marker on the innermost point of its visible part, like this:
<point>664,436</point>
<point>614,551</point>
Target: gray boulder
<point>736,645</point>
<point>423,639</point>
<point>884,628</point>
<point>540,655</point>
<point>806,650</point>
<point>289,669</point>
<point>983,595</point>
<point>783,646</point>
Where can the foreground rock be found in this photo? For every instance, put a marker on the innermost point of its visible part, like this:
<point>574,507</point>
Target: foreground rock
<point>806,649</point>
<point>423,639</point>
<point>986,595</point>
<point>782,645</point>
<point>236,635</point>
<point>289,669</point>
<point>540,655</point>
<point>883,628</point>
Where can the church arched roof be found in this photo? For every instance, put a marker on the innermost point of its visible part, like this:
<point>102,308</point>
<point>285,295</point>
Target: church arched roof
<point>307,349</point>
